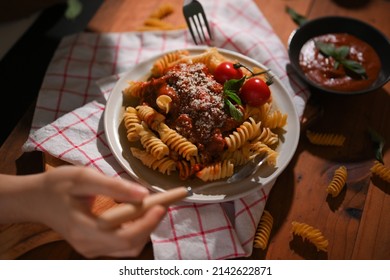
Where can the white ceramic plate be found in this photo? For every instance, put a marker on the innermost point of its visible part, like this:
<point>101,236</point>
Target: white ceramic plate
<point>155,181</point>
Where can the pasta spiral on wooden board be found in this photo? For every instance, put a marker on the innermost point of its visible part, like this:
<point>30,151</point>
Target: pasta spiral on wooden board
<point>312,234</point>
<point>325,139</point>
<point>338,181</point>
<point>162,11</point>
<point>263,230</point>
<point>156,20</point>
<point>381,170</point>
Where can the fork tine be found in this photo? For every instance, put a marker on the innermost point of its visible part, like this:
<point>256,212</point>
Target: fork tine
<point>199,29</point>
<point>197,22</point>
<point>190,24</point>
<point>206,23</point>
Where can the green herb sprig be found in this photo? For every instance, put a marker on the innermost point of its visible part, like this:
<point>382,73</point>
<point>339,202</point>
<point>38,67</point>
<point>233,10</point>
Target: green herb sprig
<point>378,143</point>
<point>340,56</point>
<point>297,18</point>
<point>230,93</point>
<point>73,9</point>
<point>232,87</point>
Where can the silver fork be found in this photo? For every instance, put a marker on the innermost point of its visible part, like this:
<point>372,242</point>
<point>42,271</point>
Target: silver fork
<point>246,171</point>
<point>197,22</point>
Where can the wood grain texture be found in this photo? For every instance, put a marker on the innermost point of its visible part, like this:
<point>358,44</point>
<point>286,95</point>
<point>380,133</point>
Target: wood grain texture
<point>356,223</point>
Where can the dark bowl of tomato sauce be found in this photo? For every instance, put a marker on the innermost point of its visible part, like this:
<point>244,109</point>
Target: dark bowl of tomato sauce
<point>340,55</point>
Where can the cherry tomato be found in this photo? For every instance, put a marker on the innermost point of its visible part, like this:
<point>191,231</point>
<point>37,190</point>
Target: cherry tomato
<point>255,92</point>
<point>226,71</point>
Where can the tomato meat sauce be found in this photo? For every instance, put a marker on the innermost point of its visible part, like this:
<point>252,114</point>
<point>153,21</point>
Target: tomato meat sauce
<point>197,109</point>
<point>320,68</point>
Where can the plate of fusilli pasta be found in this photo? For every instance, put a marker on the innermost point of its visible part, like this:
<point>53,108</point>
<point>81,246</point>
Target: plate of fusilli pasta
<point>169,123</point>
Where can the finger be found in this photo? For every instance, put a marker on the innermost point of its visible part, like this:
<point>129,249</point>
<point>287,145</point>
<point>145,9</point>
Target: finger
<point>96,183</point>
<point>128,241</point>
<point>140,229</point>
<point>137,233</point>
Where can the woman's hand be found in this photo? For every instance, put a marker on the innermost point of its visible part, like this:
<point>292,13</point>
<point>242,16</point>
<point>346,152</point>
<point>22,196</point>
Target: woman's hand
<point>62,199</point>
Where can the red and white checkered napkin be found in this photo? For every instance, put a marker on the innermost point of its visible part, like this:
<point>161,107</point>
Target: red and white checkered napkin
<point>68,119</point>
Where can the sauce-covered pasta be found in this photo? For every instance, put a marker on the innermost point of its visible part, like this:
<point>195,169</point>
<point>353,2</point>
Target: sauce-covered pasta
<point>181,117</point>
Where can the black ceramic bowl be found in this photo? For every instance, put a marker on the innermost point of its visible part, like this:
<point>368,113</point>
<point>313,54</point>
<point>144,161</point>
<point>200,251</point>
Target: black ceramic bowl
<point>334,24</point>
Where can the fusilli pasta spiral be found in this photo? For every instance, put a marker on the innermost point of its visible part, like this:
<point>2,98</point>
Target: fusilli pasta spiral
<point>164,165</point>
<point>310,233</point>
<point>164,62</point>
<point>216,171</point>
<point>245,132</point>
<point>151,142</point>
<point>325,139</point>
<point>276,119</point>
<point>150,116</point>
<point>162,11</point>
<point>177,142</point>
<point>164,103</point>
<point>263,230</point>
<point>131,119</point>
<point>338,181</point>
<point>382,171</point>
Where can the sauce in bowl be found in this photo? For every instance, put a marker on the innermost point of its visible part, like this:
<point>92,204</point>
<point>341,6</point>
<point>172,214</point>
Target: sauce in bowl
<point>321,69</point>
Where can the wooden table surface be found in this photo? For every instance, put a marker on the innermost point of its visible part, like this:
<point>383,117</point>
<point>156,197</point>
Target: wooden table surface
<point>357,223</point>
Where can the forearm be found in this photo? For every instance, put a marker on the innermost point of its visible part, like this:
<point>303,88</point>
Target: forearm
<point>17,194</point>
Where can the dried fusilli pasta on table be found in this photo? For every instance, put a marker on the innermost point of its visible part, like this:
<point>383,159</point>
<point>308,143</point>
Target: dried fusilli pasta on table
<point>381,170</point>
<point>325,139</point>
<point>162,11</point>
<point>263,230</point>
<point>311,234</point>
<point>338,181</point>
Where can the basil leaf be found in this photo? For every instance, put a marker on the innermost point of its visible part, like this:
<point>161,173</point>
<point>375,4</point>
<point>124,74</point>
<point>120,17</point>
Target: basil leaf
<point>234,112</point>
<point>230,90</point>
<point>339,54</point>
<point>326,49</point>
<point>233,96</point>
<point>378,142</point>
<point>355,67</point>
<point>297,18</point>
<point>74,9</point>
<point>233,84</point>
<point>342,52</point>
